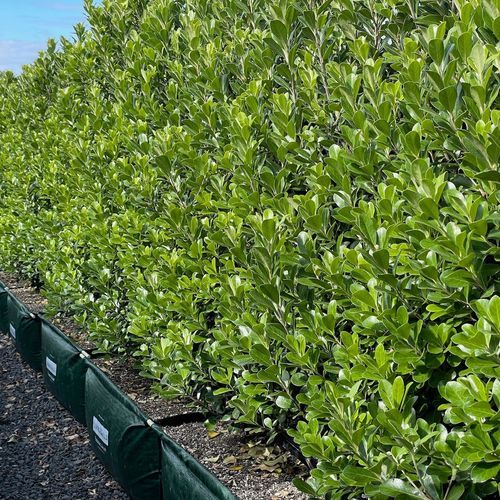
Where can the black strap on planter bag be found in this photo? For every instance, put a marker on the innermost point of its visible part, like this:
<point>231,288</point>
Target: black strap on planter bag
<point>64,366</point>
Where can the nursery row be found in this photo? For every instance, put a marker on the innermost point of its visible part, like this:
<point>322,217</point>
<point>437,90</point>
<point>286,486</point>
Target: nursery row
<point>286,208</point>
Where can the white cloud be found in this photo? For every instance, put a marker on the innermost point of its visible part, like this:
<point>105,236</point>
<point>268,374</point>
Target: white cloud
<point>15,53</point>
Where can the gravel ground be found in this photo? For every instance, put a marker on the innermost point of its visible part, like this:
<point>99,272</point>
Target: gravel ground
<point>44,452</point>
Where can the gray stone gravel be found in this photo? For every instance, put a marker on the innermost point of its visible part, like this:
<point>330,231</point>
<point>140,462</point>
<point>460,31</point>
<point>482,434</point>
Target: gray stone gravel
<point>44,452</point>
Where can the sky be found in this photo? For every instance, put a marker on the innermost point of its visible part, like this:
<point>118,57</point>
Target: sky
<point>26,25</point>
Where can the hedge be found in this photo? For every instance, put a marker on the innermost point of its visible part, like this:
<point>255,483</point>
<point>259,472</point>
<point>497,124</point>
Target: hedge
<point>286,208</point>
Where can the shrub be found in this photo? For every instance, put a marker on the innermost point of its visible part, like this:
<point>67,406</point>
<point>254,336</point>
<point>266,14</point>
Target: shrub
<point>288,207</point>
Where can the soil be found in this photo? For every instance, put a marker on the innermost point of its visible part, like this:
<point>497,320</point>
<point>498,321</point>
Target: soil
<point>249,467</point>
<point>73,331</point>
<point>44,452</point>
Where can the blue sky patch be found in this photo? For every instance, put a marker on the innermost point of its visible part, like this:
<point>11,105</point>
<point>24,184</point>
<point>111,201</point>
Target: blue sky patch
<point>26,25</point>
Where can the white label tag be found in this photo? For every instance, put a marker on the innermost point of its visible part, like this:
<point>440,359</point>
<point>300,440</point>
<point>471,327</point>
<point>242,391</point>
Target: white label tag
<point>100,431</point>
<point>12,331</point>
<point>51,366</point>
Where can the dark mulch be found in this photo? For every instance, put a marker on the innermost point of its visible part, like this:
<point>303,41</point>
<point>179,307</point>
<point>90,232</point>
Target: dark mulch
<point>250,468</point>
<point>44,452</point>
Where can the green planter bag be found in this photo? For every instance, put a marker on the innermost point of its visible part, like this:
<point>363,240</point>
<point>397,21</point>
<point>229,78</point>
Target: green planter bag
<point>4,309</point>
<point>184,478</point>
<point>121,437</point>
<point>24,328</point>
<point>64,367</point>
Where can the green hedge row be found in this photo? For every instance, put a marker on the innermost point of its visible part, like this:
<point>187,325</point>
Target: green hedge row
<point>288,207</point>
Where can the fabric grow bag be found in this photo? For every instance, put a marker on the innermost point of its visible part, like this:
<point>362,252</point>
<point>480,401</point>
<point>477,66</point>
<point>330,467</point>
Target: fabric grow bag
<point>121,437</point>
<point>4,309</point>
<point>184,478</point>
<point>64,367</point>
<point>24,328</point>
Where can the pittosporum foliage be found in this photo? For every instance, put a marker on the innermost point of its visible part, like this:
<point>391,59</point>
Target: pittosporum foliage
<point>288,207</point>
